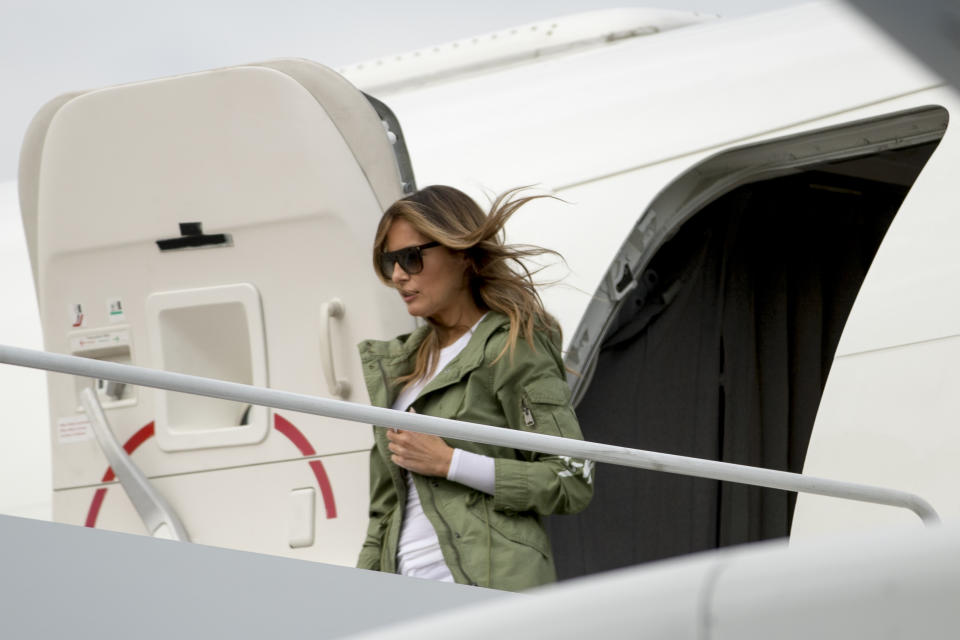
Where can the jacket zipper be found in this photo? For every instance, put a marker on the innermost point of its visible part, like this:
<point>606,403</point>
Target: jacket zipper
<point>401,495</point>
<point>456,551</point>
<point>433,499</point>
<point>527,414</point>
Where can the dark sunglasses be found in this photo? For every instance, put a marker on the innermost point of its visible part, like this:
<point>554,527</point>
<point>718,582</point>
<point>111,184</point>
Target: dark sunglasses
<point>410,259</point>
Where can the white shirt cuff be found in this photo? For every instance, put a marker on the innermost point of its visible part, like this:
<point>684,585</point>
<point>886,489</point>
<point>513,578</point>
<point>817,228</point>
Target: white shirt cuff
<point>473,470</point>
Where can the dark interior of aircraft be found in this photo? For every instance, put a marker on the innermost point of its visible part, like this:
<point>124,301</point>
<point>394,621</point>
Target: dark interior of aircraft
<point>722,351</point>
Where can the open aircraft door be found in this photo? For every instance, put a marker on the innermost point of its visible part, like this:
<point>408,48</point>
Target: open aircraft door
<point>217,224</point>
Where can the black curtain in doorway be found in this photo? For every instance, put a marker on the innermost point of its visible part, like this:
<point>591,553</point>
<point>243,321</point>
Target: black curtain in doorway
<point>722,352</point>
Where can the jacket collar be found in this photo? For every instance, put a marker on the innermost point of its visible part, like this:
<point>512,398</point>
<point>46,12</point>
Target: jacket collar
<point>384,361</point>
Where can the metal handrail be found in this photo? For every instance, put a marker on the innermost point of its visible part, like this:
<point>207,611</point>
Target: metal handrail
<point>158,516</point>
<point>443,427</point>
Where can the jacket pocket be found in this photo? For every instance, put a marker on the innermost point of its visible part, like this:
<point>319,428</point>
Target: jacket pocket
<point>519,528</point>
<point>545,408</point>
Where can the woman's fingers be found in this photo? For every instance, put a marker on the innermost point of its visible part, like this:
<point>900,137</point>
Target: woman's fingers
<point>396,439</point>
<point>421,453</point>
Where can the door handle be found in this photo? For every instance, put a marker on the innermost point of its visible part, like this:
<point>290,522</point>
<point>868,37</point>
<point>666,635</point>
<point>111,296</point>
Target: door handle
<point>328,310</point>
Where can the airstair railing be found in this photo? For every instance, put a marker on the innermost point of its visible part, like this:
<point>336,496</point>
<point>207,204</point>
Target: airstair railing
<point>157,515</point>
<point>447,428</point>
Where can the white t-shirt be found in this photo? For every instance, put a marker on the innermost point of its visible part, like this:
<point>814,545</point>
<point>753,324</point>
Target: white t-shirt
<point>418,551</point>
<point>410,393</point>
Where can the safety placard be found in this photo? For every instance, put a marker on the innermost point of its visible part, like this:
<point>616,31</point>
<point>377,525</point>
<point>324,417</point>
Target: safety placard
<point>99,340</point>
<point>74,429</point>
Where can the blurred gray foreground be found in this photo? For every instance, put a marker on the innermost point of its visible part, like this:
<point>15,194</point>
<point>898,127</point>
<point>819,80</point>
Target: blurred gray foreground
<point>60,581</point>
<point>929,29</point>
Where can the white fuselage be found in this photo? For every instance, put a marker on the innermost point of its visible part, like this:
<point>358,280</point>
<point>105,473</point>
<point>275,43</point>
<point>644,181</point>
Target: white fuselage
<point>609,129</point>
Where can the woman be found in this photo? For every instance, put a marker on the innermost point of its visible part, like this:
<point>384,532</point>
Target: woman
<point>489,353</point>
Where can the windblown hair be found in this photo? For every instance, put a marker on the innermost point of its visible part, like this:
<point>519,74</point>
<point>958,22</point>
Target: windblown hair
<point>498,277</point>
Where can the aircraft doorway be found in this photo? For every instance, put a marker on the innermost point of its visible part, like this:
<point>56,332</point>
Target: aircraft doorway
<point>721,351</point>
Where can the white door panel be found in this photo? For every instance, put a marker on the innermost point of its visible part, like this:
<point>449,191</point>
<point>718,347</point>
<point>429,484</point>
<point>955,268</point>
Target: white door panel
<point>257,508</point>
<point>292,166</point>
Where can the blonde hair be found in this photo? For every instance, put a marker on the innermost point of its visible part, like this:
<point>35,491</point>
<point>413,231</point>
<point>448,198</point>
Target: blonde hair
<point>498,277</point>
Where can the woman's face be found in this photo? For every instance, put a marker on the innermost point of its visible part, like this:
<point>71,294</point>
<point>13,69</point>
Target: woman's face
<point>440,290</point>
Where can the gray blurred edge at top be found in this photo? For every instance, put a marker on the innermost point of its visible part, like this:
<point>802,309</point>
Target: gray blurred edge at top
<point>928,29</point>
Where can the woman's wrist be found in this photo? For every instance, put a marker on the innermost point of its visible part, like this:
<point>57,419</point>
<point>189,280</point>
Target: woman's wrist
<point>473,470</point>
<point>446,462</point>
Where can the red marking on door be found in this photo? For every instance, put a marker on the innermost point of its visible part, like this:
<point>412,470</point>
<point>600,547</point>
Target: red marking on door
<point>95,507</point>
<point>286,427</point>
<point>280,423</point>
<point>325,489</point>
<point>137,439</point>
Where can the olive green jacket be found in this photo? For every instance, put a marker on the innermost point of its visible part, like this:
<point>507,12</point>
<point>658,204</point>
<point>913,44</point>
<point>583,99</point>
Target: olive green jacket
<point>493,541</point>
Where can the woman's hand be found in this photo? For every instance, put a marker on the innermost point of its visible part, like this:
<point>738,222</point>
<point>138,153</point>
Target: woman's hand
<point>421,453</point>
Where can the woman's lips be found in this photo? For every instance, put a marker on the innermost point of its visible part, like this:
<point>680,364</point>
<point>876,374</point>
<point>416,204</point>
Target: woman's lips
<point>408,295</point>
